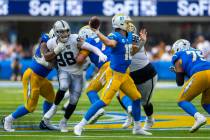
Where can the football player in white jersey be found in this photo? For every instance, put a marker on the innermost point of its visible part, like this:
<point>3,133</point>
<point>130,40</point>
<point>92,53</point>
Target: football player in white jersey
<point>64,47</point>
<point>145,78</point>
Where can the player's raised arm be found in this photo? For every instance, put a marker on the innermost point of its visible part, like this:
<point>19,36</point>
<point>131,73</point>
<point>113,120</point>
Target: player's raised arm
<point>84,33</point>
<point>94,23</point>
<point>87,46</point>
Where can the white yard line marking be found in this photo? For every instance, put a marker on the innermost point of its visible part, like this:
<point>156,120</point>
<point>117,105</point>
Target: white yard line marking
<point>95,137</point>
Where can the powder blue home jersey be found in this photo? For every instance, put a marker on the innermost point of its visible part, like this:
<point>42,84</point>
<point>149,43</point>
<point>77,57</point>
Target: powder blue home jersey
<point>121,53</point>
<point>35,66</point>
<point>95,41</point>
<point>192,61</point>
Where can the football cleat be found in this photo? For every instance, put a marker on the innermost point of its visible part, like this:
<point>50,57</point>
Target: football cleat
<point>148,123</point>
<point>127,122</point>
<point>95,117</point>
<point>7,125</point>
<point>45,125</point>
<point>140,131</point>
<point>63,126</point>
<point>199,121</point>
<point>78,130</point>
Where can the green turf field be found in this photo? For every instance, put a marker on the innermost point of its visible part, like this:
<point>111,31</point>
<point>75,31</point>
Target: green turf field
<point>172,122</point>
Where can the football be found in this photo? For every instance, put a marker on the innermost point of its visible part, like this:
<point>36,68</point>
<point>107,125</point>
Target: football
<point>94,22</point>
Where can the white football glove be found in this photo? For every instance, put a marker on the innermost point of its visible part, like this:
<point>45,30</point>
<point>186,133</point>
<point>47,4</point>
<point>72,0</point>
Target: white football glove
<point>41,61</point>
<point>59,48</point>
<point>102,58</point>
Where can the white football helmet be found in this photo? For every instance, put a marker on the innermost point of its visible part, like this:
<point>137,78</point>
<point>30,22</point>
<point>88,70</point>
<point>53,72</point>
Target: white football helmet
<point>132,28</point>
<point>180,44</point>
<point>85,32</point>
<point>51,33</point>
<point>121,21</point>
<point>61,30</point>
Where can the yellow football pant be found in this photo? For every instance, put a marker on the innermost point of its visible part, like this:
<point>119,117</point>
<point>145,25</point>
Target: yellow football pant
<point>33,86</point>
<point>118,81</point>
<point>197,84</point>
<point>99,79</point>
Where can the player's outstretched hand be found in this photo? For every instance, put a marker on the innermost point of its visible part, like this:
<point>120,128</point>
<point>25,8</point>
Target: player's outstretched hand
<point>143,35</point>
<point>94,23</point>
<point>102,58</point>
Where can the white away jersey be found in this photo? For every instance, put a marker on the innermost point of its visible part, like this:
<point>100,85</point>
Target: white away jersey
<point>139,60</point>
<point>66,60</point>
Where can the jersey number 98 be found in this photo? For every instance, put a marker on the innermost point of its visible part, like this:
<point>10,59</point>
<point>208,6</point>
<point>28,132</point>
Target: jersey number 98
<point>65,59</point>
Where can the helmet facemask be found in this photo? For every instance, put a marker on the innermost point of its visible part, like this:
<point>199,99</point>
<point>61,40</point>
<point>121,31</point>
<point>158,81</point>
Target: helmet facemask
<point>63,35</point>
<point>62,30</point>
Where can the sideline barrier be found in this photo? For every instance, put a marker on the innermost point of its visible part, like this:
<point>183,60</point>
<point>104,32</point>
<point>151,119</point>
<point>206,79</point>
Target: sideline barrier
<point>6,71</point>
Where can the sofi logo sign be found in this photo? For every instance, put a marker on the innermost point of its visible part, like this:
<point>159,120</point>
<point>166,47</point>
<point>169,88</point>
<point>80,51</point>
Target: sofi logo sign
<point>193,8</point>
<point>128,7</point>
<point>4,8</point>
<point>55,7</point>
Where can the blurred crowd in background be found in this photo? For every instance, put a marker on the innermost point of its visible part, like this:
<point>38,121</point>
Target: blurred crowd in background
<point>155,49</point>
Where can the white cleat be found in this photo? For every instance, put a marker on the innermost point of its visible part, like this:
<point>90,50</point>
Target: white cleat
<point>45,124</point>
<point>7,125</point>
<point>140,131</point>
<point>148,123</point>
<point>96,116</point>
<point>199,121</point>
<point>127,122</point>
<point>63,126</point>
<point>78,130</point>
<point>50,113</point>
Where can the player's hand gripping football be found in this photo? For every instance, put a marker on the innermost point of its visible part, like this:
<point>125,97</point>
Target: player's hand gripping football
<point>94,23</point>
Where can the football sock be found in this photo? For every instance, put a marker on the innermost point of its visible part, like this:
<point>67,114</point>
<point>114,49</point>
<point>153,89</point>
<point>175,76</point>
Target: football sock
<point>93,109</point>
<point>59,96</point>
<point>125,102</point>
<point>188,107</point>
<point>136,110</point>
<point>69,110</point>
<point>20,111</point>
<point>93,96</point>
<point>207,108</point>
<point>90,71</point>
<point>83,122</point>
<point>137,124</point>
<point>148,109</point>
<point>46,106</point>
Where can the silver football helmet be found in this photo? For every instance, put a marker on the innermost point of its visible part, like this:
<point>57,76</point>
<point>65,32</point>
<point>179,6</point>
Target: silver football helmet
<point>61,30</point>
<point>180,44</point>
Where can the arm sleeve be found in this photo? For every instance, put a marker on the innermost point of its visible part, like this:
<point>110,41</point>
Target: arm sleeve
<point>175,58</point>
<point>91,48</point>
<point>44,38</point>
<point>112,36</point>
<point>180,78</point>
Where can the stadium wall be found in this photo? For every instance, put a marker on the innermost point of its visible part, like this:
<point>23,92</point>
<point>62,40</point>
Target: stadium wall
<point>162,68</point>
